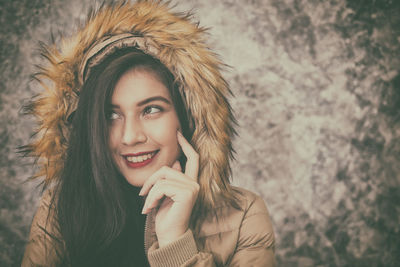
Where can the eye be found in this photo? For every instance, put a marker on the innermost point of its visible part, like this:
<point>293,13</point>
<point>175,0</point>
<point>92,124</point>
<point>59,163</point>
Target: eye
<point>152,110</point>
<point>113,116</point>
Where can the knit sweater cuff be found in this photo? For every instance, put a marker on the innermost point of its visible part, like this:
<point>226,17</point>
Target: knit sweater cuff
<point>175,253</point>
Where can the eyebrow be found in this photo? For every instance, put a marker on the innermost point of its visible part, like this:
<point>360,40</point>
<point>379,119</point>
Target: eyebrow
<point>150,99</point>
<point>154,98</point>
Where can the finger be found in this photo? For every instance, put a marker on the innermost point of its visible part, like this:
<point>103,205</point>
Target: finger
<point>163,173</point>
<point>192,163</point>
<point>177,166</point>
<point>159,174</point>
<point>164,188</point>
<point>156,194</point>
<point>176,190</point>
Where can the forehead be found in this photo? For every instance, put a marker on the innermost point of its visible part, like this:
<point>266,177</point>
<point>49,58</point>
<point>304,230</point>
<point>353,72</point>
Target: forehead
<point>136,85</point>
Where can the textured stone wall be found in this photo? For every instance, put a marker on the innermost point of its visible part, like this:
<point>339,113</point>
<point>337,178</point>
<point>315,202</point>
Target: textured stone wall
<point>317,98</point>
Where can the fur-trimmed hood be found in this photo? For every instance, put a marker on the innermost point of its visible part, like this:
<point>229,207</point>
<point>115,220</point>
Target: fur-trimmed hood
<point>177,42</point>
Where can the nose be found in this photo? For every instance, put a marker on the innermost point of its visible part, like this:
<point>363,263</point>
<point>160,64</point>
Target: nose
<point>133,133</point>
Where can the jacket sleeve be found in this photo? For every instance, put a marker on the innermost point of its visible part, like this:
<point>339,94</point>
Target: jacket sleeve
<point>255,246</point>
<point>182,252</point>
<point>42,248</point>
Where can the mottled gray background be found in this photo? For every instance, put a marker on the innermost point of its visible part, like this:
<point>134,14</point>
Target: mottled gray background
<point>317,88</point>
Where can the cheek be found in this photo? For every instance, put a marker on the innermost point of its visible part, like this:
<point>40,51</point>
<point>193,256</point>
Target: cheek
<point>113,138</point>
<point>164,131</point>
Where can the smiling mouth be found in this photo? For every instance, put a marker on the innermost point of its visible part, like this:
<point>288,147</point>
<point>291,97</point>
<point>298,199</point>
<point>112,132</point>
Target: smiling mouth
<point>139,159</point>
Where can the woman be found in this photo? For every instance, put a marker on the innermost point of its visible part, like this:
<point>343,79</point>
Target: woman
<point>125,96</point>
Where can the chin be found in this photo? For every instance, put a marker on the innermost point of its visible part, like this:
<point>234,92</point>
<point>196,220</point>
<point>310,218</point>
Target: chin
<point>134,181</point>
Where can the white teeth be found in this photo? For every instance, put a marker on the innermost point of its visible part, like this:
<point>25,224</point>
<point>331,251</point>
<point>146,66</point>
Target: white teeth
<point>140,158</point>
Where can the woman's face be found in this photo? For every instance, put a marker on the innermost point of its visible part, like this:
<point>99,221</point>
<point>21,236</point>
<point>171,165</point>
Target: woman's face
<point>143,126</point>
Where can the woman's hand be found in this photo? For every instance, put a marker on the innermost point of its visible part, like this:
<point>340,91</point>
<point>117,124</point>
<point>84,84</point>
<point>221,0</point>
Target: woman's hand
<point>174,194</point>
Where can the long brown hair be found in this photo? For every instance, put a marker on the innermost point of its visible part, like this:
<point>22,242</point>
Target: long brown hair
<point>97,210</point>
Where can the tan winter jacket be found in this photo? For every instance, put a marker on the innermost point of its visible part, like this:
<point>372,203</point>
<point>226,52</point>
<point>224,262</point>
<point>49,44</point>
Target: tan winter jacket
<point>238,238</point>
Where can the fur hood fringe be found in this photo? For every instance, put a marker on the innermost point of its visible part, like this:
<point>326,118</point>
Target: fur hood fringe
<point>177,42</point>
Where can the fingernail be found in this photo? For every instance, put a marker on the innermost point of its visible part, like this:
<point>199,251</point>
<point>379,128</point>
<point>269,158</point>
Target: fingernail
<point>144,210</point>
<point>140,192</point>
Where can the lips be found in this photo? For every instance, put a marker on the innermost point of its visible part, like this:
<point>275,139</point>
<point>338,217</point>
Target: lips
<point>141,159</point>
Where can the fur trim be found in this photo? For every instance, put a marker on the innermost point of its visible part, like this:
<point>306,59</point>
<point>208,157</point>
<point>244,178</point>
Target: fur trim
<point>181,47</point>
